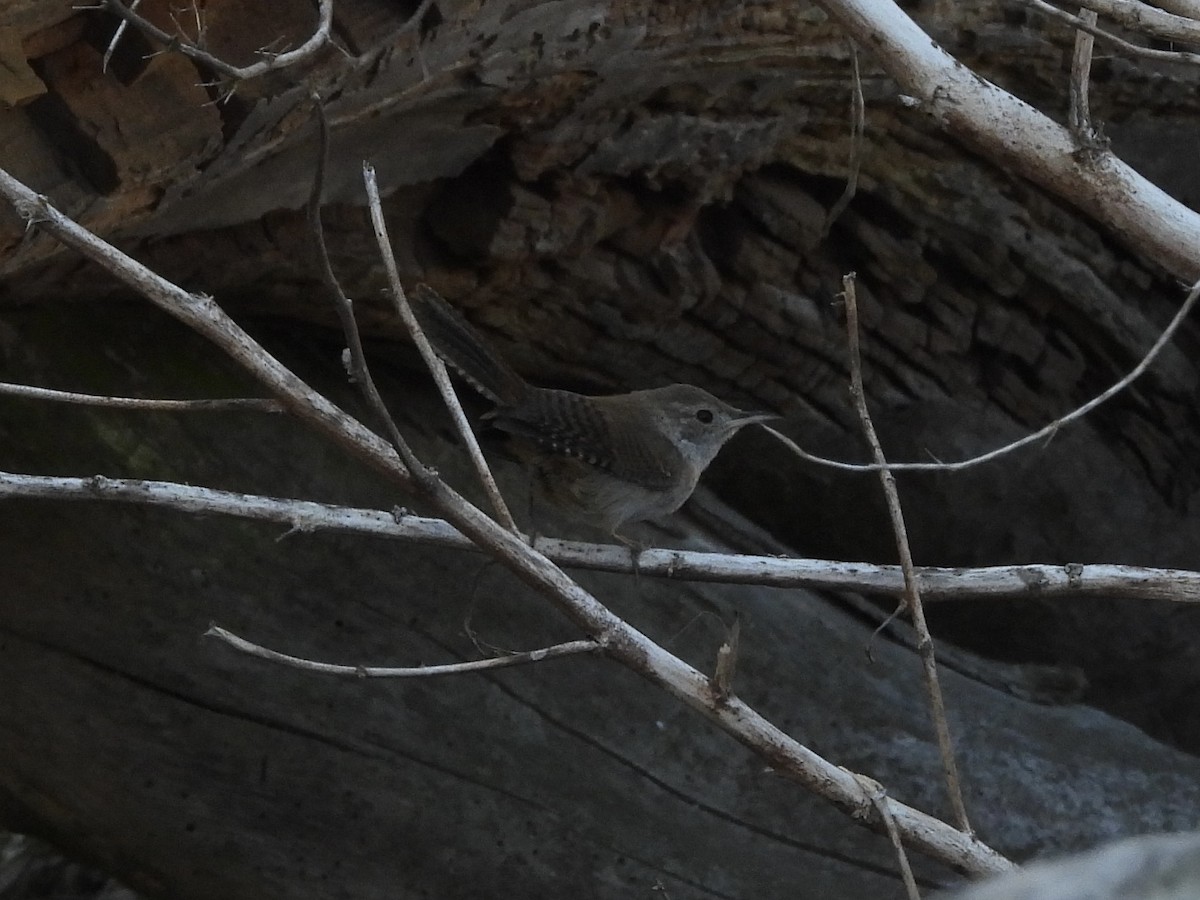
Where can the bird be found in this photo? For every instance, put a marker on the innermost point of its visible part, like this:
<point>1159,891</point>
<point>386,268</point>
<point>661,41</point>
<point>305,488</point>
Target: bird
<point>607,461</point>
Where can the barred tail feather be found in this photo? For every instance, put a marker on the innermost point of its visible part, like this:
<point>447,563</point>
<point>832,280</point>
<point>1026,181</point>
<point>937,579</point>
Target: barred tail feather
<point>462,347</point>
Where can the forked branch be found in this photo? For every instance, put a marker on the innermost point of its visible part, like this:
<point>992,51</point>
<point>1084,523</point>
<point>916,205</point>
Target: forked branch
<point>617,638</point>
<point>193,49</point>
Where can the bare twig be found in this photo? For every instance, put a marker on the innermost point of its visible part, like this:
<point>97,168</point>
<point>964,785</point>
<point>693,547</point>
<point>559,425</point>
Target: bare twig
<point>878,795</point>
<point>358,361</point>
<point>116,38</point>
<point>248,404</point>
<point>200,313</point>
<point>858,119</point>
<point>1045,432</point>
<point>937,584</point>
<point>1044,684</point>
<point>1079,115</point>
<point>570,648</point>
<point>319,38</point>
<point>414,21</point>
<point>359,371</point>
<point>434,362</point>
<point>727,659</point>
<point>912,593</point>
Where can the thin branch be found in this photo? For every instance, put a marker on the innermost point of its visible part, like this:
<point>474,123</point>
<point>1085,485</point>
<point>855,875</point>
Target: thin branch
<point>117,35</point>
<point>727,660</point>
<point>248,404</point>
<point>1044,684</point>
<point>1043,581</point>
<point>858,119</point>
<point>359,370</point>
<point>912,593</point>
<point>570,648</point>
<point>200,313</point>
<point>1079,114</point>
<point>414,21</point>
<point>1171,56</point>
<point>1042,433</point>
<point>878,795</point>
<point>432,361</point>
<point>319,38</point>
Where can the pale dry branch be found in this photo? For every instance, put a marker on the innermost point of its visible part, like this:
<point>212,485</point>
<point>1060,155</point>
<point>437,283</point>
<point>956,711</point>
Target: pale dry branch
<point>727,660</point>
<point>116,38</point>
<point>1189,9</point>
<point>192,49</point>
<point>1022,140</point>
<point>912,592</point>
<point>229,404</point>
<point>621,641</point>
<point>1043,581</point>
<point>1045,432</point>
<point>1148,20</point>
<point>522,658</point>
<point>359,372</point>
<point>876,793</point>
<point>414,20</point>
<point>200,313</point>
<point>1079,113</point>
<point>432,361</point>
<point>1079,22</point>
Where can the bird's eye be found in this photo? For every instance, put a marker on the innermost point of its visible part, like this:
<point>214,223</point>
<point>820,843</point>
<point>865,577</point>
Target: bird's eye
<point>704,415</point>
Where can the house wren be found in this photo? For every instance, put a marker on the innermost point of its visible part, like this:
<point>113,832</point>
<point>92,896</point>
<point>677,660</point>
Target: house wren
<point>606,460</point>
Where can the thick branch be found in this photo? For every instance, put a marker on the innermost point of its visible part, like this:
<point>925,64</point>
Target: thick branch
<point>1089,26</point>
<point>1146,19</point>
<point>1018,137</point>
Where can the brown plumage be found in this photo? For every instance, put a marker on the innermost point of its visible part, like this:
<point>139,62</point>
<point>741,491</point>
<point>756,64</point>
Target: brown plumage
<point>608,460</point>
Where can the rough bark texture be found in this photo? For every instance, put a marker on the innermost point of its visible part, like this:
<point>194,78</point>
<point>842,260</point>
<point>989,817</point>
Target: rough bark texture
<point>624,196</point>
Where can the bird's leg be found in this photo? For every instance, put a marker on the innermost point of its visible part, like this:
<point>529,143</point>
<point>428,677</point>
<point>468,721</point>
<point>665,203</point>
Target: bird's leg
<point>635,550</point>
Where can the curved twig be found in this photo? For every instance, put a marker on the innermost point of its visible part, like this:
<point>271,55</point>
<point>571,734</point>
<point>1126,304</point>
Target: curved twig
<point>316,41</point>
<point>1045,432</point>
<point>247,404</point>
<point>524,658</point>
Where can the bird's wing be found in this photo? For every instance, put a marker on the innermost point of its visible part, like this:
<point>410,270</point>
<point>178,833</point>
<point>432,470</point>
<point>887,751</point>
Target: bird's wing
<point>558,423</point>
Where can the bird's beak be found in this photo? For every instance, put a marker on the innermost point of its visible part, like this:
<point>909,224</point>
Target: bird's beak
<point>749,417</point>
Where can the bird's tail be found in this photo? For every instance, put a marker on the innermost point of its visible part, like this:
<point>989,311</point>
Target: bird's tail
<point>462,347</point>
